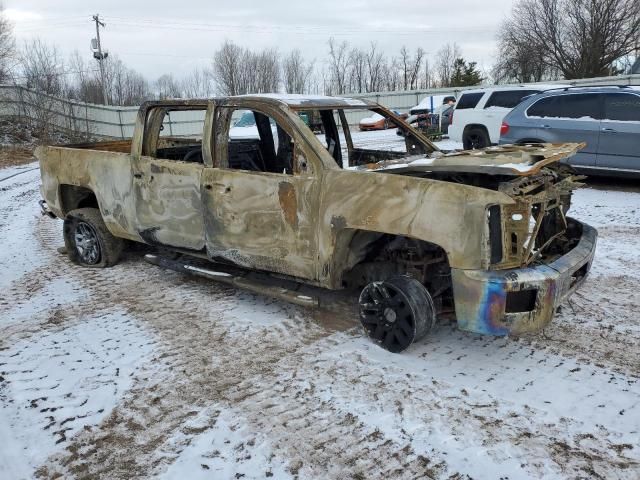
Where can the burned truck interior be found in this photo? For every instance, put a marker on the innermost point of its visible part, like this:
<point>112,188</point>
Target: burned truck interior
<point>257,142</point>
<point>350,148</point>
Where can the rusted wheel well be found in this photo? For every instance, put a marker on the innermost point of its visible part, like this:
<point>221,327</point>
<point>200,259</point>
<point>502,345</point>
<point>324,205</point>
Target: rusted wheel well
<point>375,256</point>
<point>73,197</point>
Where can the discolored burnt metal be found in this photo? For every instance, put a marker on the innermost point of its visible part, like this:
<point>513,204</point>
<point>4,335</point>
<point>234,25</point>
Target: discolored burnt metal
<point>319,221</point>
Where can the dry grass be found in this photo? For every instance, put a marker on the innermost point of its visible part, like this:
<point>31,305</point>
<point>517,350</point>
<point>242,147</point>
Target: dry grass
<point>11,156</point>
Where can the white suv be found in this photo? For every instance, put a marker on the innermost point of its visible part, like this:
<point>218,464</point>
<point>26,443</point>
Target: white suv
<point>479,113</point>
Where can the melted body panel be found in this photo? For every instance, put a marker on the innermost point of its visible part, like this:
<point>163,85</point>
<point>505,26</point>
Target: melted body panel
<point>520,160</point>
<point>262,221</point>
<point>168,206</point>
<point>107,174</point>
<point>452,216</point>
<point>308,223</point>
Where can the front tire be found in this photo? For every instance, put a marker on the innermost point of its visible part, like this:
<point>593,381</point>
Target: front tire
<point>87,240</point>
<point>476,138</point>
<point>396,312</point>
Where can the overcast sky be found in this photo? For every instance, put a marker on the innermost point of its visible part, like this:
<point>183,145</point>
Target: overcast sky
<point>163,36</point>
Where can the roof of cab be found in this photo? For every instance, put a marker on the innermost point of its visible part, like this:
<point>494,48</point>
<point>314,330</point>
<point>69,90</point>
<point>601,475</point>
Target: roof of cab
<point>508,88</point>
<point>297,101</point>
<point>293,101</point>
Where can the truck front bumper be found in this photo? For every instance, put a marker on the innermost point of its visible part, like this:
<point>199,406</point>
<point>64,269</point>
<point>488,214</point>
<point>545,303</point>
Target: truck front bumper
<point>521,300</point>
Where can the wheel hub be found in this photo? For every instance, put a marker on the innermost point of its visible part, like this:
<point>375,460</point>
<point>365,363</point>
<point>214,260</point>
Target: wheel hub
<point>390,315</point>
<point>87,244</point>
<point>386,315</point>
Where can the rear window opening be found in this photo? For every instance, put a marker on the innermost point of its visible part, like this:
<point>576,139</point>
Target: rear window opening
<point>508,98</point>
<point>522,301</point>
<point>581,106</point>
<point>622,107</point>
<point>169,133</point>
<point>469,100</point>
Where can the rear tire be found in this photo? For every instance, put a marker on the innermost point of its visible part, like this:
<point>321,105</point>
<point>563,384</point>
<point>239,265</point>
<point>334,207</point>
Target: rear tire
<point>87,240</point>
<point>476,138</point>
<point>396,312</point>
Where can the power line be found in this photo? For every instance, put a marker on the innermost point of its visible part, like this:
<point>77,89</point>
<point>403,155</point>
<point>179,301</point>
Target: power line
<point>55,18</point>
<point>49,26</point>
<point>57,74</point>
<point>326,30</point>
<point>169,55</point>
<point>117,22</point>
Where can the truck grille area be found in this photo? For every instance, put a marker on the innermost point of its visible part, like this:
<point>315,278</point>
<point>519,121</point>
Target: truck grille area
<point>533,233</point>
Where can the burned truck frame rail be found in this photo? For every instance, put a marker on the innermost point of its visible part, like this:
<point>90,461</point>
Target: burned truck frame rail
<point>483,235</point>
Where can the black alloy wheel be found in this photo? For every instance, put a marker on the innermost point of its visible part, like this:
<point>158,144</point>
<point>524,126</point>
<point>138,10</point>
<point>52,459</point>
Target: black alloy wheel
<point>396,312</point>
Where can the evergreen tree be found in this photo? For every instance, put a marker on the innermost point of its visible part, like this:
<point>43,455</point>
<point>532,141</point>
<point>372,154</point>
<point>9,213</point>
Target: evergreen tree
<point>465,74</point>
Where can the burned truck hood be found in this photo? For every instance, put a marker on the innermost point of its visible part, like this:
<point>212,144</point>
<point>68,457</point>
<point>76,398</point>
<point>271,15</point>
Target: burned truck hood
<point>516,160</point>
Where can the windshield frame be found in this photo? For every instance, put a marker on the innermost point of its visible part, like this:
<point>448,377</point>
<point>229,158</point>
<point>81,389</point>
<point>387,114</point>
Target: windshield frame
<point>359,156</point>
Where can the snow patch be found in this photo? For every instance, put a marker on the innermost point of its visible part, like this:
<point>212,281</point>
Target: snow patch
<point>56,384</point>
<point>56,292</point>
<point>227,449</point>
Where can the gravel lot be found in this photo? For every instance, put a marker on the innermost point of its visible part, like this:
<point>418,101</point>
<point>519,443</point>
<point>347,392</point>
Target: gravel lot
<point>138,372</point>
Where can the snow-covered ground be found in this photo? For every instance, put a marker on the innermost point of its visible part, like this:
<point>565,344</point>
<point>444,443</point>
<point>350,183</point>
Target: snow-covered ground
<point>135,372</point>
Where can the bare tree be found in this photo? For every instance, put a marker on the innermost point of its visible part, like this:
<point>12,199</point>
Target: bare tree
<point>198,84</point>
<point>265,78</point>
<point>445,62</point>
<point>427,78</point>
<point>42,68</point>
<point>167,87</point>
<point>125,86</point>
<point>392,73</point>
<point>357,70</point>
<point>580,38</point>
<point>238,71</point>
<point>227,64</point>
<point>406,61</point>
<point>42,71</point>
<point>80,88</point>
<point>296,72</point>
<point>375,68</point>
<point>338,63</point>
<point>416,66</point>
<point>519,61</point>
<point>411,66</point>
<point>7,47</point>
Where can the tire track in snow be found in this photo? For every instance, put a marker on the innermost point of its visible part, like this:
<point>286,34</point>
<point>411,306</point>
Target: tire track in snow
<point>269,362</point>
<point>217,358</point>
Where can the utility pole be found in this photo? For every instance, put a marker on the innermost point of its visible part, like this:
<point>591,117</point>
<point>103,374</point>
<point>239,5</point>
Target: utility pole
<point>98,55</point>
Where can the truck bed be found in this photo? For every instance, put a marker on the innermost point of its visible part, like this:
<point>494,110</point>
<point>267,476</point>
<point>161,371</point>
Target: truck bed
<point>173,148</point>
<point>122,146</point>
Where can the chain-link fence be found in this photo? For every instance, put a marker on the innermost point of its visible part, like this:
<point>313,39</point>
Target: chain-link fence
<point>44,113</point>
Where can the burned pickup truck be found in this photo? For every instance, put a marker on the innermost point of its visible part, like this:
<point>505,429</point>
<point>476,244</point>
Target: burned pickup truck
<point>482,237</point>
